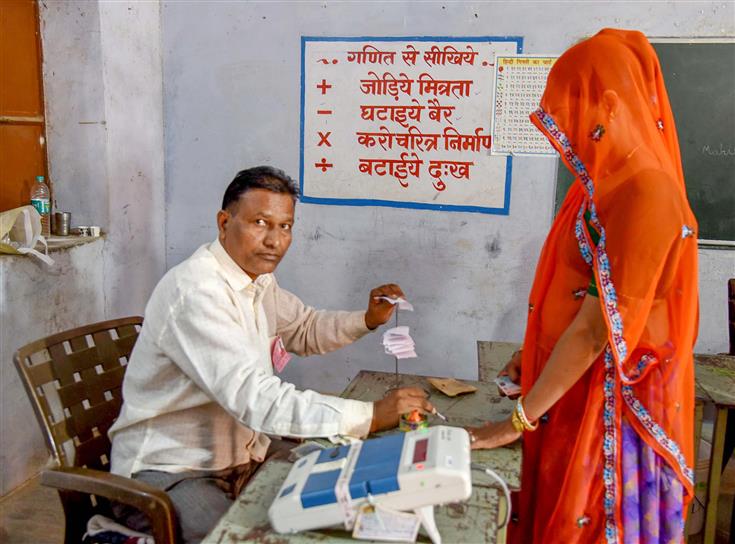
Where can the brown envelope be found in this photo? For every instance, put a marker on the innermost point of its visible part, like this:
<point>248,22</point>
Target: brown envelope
<point>451,387</point>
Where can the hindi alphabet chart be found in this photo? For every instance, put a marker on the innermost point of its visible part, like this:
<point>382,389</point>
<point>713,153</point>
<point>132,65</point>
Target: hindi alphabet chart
<point>519,84</point>
<point>402,122</point>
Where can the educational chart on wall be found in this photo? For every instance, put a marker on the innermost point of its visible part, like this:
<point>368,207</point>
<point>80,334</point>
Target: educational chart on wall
<point>519,85</point>
<point>402,122</point>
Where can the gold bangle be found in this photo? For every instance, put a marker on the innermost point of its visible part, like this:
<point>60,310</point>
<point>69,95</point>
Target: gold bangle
<point>516,422</point>
<point>522,416</point>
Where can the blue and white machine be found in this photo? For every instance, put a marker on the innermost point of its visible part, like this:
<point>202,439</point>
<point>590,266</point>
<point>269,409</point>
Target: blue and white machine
<point>411,471</point>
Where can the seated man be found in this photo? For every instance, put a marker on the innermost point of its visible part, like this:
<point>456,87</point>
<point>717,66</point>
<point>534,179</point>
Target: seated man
<point>200,391</point>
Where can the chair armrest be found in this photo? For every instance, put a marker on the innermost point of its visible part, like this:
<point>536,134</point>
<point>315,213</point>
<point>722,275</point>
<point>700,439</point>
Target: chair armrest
<point>153,502</point>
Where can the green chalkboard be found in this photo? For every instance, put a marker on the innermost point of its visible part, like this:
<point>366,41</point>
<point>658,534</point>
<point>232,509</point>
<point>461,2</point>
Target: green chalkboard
<point>700,79</point>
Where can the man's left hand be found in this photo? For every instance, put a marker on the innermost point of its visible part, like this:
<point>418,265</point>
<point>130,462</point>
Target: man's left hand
<point>379,310</point>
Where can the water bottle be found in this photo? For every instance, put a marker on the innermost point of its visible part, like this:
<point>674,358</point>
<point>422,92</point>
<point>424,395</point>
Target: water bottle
<point>41,200</point>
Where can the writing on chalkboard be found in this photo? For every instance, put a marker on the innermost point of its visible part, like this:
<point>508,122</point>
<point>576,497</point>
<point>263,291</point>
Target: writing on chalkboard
<point>722,151</point>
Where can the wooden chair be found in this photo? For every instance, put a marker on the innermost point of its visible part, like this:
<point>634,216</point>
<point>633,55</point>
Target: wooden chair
<point>74,380</point>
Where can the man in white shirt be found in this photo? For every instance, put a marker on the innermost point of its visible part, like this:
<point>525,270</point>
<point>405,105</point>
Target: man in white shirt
<point>200,392</point>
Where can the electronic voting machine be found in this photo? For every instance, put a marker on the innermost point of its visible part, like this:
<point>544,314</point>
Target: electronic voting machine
<point>410,471</point>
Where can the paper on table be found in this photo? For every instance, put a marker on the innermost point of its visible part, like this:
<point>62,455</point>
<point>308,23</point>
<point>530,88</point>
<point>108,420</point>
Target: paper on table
<point>379,523</point>
<point>451,387</point>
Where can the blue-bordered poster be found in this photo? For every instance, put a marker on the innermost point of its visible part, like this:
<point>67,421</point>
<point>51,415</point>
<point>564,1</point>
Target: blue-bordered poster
<point>402,122</point>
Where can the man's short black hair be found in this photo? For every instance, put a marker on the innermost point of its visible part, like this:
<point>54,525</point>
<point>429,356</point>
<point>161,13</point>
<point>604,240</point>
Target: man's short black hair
<point>259,177</point>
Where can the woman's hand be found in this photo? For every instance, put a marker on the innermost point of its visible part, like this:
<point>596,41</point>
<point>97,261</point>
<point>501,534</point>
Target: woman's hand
<point>513,370</point>
<point>493,435</point>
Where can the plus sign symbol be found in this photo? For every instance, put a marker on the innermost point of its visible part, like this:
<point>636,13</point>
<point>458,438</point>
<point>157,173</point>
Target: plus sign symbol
<point>323,86</point>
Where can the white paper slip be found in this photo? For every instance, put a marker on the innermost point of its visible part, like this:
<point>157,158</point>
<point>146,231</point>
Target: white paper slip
<point>378,523</point>
<point>407,353</point>
<point>507,386</point>
<point>402,342</point>
<point>411,354</point>
<point>403,304</point>
<point>398,332</point>
<point>398,342</point>
<point>399,350</point>
<point>399,347</point>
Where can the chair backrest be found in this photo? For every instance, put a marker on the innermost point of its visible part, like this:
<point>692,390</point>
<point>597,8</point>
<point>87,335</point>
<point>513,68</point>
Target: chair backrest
<point>74,380</point>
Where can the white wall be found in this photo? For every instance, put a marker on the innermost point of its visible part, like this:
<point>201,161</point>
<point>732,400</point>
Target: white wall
<point>132,74</point>
<point>36,301</point>
<point>103,85</point>
<point>75,110</point>
<point>715,268</point>
<point>104,110</point>
<point>231,98</point>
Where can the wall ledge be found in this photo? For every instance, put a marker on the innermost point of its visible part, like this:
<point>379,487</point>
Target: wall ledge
<point>56,244</point>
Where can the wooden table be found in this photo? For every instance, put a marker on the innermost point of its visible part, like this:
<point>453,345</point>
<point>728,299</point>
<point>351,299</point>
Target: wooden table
<point>476,520</point>
<point>714,384</point>
<point>715,380</point>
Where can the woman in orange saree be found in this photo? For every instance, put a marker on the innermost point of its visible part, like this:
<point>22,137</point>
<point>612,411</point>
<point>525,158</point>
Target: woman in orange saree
<point>606,368</point>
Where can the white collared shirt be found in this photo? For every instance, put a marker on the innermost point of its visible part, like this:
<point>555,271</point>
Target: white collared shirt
<point>199,389</point>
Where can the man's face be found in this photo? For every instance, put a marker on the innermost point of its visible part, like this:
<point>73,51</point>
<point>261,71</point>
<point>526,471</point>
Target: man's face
<point>256,232</point>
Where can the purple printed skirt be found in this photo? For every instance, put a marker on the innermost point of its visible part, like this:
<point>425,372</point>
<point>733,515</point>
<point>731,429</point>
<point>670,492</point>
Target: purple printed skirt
<point>653,497</point>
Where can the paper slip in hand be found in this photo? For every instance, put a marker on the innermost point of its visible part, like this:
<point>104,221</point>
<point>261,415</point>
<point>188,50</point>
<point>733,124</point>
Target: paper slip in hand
<point>398,342</point>
<point>451,387</point>
<point>507,386</point>
<point>403,304</point>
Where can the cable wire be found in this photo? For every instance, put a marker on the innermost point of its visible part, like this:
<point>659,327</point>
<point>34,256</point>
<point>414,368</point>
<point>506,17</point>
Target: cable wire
<point>490,472</point>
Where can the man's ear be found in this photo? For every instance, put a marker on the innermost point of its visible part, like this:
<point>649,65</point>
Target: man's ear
<point>611,102</point>
<point>223,217</point>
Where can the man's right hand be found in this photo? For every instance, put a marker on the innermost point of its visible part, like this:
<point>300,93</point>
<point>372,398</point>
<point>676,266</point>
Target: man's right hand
<point>513,370</point>
<point>387,411</point>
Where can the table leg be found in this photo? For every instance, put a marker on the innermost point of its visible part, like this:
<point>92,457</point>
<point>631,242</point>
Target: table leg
<point>698,412</point>
<point>715,471</point>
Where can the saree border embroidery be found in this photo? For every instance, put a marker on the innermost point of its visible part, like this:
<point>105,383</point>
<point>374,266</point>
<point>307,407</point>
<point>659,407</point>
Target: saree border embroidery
<point>584,246</point>
<point>645,362</point>
<point>608,290</point>
<point>656,431</point>
<point>609,450</point>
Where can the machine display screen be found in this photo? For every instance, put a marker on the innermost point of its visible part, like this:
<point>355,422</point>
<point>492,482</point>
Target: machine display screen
<point>419,450</point>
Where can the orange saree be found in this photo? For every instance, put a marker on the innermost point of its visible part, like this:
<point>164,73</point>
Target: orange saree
<point>626,225</point>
